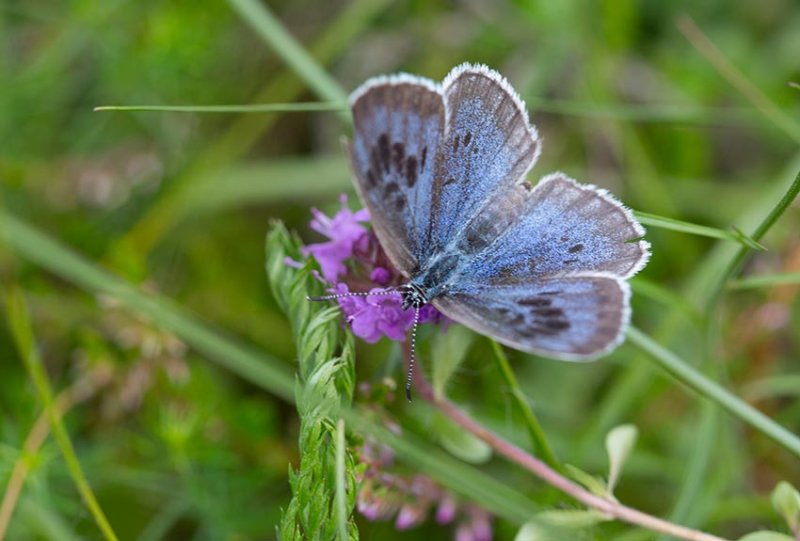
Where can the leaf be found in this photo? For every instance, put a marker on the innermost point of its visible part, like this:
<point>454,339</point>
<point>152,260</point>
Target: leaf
<point>448,350</point>
<point>619,442</point>
<point>765,535</point>
<point>786,502</point>
<point>550,525</point>
<point>459,442</point>
<point>595,484</point>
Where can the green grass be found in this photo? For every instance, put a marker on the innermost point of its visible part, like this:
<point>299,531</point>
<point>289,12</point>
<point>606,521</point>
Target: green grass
<point>136,236</point>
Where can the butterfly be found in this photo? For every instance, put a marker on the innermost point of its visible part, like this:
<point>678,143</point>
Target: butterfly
<point>442,170</point>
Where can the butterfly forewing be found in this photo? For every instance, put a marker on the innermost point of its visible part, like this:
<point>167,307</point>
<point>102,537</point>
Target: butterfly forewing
<point>489,145</point>
<point>398,126</point>
<point>570,318</point>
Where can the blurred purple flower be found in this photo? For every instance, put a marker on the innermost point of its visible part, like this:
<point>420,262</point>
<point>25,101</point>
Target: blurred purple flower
<point>410,515</point>
<point>384,493</point>
<point>446,511</point>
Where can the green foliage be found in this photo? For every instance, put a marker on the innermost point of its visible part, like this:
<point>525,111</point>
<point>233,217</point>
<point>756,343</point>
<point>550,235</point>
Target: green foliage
<point>324,385</point>
<point>786,501</point>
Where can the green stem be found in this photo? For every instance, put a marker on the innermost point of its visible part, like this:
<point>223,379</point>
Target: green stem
<point>22,332</point>
<point>711,390</point>
<point>540,444</point>
<point>341,482</point>
<point>773,216</point>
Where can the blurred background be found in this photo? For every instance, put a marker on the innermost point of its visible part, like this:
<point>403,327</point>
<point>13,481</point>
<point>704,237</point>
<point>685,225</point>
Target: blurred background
<point>627,95</point>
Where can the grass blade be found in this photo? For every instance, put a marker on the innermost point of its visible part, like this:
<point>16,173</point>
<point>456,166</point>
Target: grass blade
<point>261,19</point>
<point>711,390</point>
<point>769,280</point>
<point>662,222</point>
<point>736,78</point>
<point>256,108</point>
<point>22,332</point>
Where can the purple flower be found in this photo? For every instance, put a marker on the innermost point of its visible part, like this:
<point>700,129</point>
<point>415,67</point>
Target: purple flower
<point>344,230</point>
<point>373,316</point>
<point>353,260</point>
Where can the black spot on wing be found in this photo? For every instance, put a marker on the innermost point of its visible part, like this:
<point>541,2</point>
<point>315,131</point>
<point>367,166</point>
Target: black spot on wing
<point>398,154</point>
<point>536,301</point>
<point>383,151</point>
<point>576,248</point>
<point>412,171</point>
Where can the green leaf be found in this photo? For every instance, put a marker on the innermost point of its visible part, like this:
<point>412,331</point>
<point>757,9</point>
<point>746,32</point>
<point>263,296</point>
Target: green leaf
<point>593,483</point>
<point>459,442</point>
<point>619,443</point>
<point>550,525</point>
<point>765,535</point>
<point>448,350</point>
<point>786,501</point>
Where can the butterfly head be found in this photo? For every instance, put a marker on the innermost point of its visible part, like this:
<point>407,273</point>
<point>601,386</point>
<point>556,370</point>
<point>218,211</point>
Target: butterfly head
<point>413,296</point>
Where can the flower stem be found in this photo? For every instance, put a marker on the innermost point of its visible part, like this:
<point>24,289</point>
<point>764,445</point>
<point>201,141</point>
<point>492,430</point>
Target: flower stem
<point>552,477</point>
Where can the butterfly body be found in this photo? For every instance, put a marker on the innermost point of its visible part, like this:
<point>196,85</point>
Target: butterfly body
<point>442,169</point>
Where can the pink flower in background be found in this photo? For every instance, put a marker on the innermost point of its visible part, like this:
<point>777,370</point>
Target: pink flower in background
<point>384,493</point>
<point>353,261</point>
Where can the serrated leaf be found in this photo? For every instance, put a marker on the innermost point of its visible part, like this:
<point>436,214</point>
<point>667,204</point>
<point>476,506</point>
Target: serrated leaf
<point>594,484</point>
<point>786,501</point>
<point>448,350</point>
<point>459,442</point>
<point>619,443</point>
<point>766,536</point>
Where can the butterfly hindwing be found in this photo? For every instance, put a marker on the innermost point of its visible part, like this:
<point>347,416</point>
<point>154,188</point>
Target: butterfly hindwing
<point>575,317</point>
<point>398,126</point>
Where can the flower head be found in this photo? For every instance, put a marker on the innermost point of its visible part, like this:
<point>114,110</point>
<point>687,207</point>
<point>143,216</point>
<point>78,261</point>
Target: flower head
<point>353,260</point>
<point>344,230</point>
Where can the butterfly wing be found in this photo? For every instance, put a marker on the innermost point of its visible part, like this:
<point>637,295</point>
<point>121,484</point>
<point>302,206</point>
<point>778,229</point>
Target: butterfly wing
<point>544,269</point>
<point>488,146</point>
<point>558,227</point>
<point>399,122</point>
<point>570,317</point>
<point>427,157</point>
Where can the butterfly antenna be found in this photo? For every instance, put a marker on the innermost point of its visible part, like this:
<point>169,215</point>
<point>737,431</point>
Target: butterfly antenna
<point>410,374</point>
<point>388,291</point>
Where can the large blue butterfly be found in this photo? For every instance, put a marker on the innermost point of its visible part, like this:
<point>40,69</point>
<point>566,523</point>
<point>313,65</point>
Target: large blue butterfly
<point>441,168</point>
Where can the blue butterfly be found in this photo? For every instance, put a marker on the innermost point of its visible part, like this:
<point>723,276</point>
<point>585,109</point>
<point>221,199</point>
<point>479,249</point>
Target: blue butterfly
<point>442,167</point>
